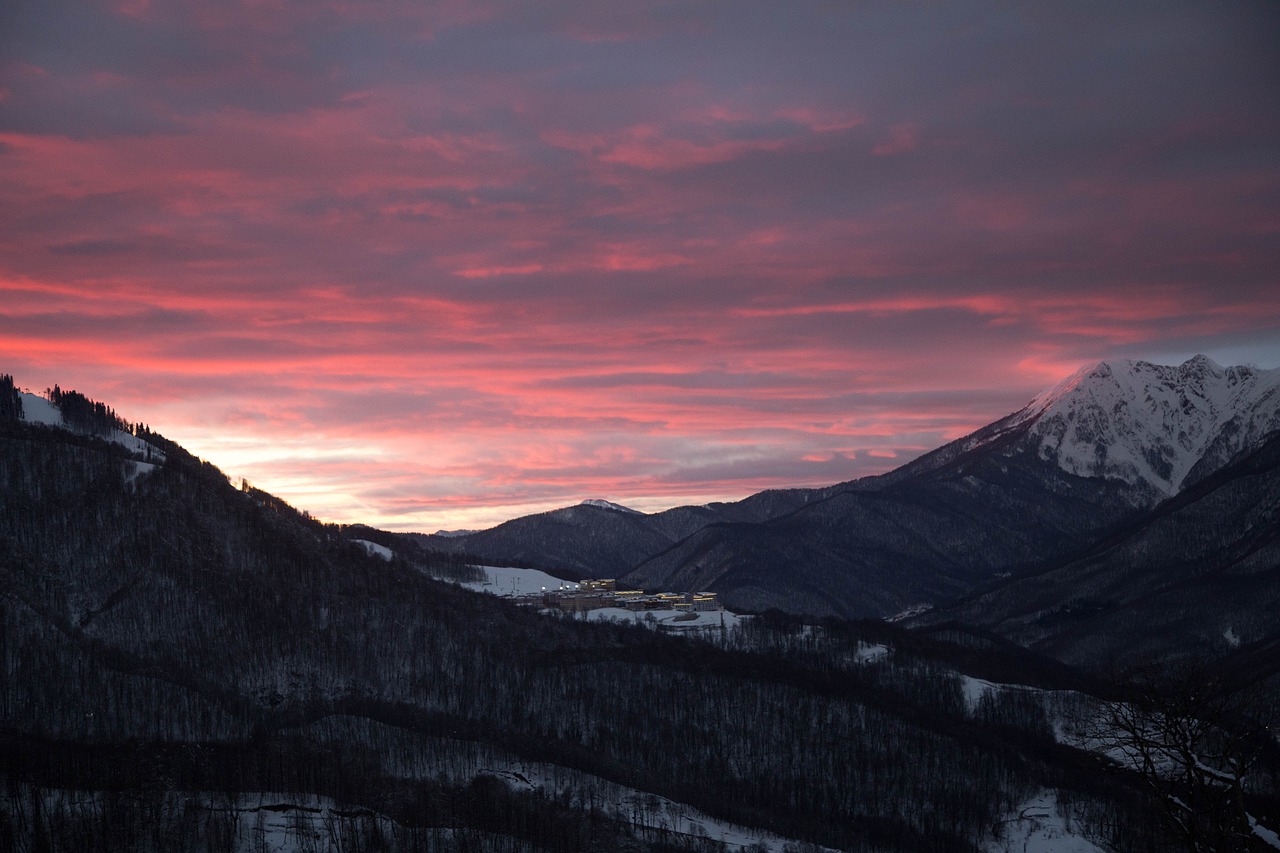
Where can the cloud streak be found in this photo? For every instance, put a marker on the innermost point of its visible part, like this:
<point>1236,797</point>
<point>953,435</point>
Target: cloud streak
<point>431,265</point>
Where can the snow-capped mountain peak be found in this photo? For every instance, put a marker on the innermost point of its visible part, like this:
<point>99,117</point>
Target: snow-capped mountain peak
<point>1153,424</point>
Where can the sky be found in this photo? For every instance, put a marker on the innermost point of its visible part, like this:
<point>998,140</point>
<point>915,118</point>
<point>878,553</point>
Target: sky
<point>435,265</point>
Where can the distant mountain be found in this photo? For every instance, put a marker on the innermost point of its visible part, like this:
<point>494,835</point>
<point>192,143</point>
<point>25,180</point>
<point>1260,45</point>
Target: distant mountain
<point>1095,454</point>
<point>602,504</point>
<point>1152,425</point>
<point>601,539</point>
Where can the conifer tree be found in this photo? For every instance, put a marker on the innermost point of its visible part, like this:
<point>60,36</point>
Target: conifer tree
<point>10,399</point>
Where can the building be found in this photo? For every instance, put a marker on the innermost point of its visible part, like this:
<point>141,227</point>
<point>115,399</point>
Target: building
<point>597,593</point>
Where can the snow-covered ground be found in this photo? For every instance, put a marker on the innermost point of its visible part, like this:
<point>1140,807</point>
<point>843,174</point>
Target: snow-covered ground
<point>642,810</point>
<point>974,689</point>
<point>667,618</point>
<point>1037,827</point>
<point>1271,839</point>
<point>913,610</point>
<point>1155,421</point>
<point>38,410</point>
<point>511,582</point>
<point>138,470</point>
<point>600,504</point>
<point>294,823</point>
<point>374,548</point>
<point>872,652</point>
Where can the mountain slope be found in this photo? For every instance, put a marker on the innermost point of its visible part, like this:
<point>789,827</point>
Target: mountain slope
<point>1157,427</point>
<point>591,540</point>
<point>1199,575</point>
<point>1153,424</point>
<point>164,636</point>
<point>884,546</point>
<point>1097,451</point>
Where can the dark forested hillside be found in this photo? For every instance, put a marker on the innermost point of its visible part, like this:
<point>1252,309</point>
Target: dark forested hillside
<point>593,541</point>
<point>884,544</point>
<point>182,662</point>
<point>171,644</point>
<point>869,548</point>
<point>1199,575</point>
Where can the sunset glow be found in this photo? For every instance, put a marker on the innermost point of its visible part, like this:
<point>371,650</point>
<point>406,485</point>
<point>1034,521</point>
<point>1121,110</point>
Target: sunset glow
<point>437,265</point>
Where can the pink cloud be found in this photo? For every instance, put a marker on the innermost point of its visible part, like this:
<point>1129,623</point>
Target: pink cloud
<point>423,264</point>
<point>490,272</point>
<point>902,138</point>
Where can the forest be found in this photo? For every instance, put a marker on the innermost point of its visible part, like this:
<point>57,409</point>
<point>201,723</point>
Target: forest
<point>174,649</point>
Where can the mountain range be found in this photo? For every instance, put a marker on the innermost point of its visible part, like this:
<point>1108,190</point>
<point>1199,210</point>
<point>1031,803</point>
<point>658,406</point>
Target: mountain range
<point>1097,463</point>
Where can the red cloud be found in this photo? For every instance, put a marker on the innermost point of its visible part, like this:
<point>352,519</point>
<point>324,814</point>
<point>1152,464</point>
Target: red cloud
<point>422,265</point>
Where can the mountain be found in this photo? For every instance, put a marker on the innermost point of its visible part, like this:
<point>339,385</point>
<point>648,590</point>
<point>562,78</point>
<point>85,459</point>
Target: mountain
<point>1151,425</point>
<point>602,504</point>
<point>882,545</point>
<point>190,666</point>
<point>1199,575</point>
<point>600,539</point>
<point>1095,454</point>
<point>1154,428</point>
<point>184,663</point>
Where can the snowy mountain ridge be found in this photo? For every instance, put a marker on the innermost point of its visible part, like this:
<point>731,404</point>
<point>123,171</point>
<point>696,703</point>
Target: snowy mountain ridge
<point>1152,424</point>
<point>610,505</point>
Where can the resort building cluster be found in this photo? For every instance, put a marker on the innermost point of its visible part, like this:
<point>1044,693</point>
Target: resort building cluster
<point>597,594</point>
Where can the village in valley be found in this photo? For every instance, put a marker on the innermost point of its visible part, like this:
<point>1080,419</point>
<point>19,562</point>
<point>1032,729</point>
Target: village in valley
<point>601,599</point>
<point>585,595</point>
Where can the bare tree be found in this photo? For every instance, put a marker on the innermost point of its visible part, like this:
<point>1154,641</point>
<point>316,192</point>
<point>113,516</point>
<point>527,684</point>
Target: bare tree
<point>1193,740</point>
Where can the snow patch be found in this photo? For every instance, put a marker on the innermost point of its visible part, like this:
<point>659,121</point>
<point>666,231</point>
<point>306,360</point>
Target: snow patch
<point>452,534</point>
<point>913,610</point>
<point>137,469</point>
<point>1268,837</point>
<point>1038,827</point>
<point>871,652</point>
<point>669,619</point>
<point>38,410</point>
<point>374,549</point>
<point>974,689</point>
<point>511,582</point>
<point>599,504</point>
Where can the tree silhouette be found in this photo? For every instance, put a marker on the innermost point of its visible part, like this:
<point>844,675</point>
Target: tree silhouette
<point>1192,737</point>
<point>10,399</point>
